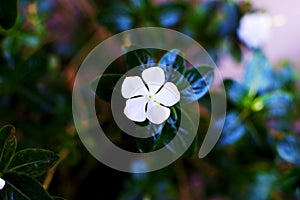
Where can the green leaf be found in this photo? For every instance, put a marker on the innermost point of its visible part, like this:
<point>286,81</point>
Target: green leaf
<point>8,13</point>
<point>117,18</point>
<point>34,67</point>
<point>233,129</point>
<point>171,13</point>
<point>235,51</point>
<point>150,144</point>
<point>199,83</point>
<point>289,149</point>
<point>33,162</point>
<point>174,115</point>
<point>138,57</point>
<point>22,187</point>
<point>262,185</point>
<point>140,5</point>
<point>259,75</point>
<point>236,92</point>
<point>184,129</point>
<point>173,59</point>
<point>229,23</point>
<point>163,134</point>
<point>105,85</point>
<point>170,129</point>
<point>8,144</point>
<point>278,103</point>
<point>288,76</point>
<point>289,180</point>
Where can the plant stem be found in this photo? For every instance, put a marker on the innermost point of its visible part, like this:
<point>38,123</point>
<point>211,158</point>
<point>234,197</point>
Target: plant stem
<point>62,155</point>
<point>182,181</point>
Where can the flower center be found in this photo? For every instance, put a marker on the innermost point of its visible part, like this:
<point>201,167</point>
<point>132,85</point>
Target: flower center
<point>149,96</point>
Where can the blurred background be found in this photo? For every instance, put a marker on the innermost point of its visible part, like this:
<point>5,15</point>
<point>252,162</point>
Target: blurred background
<point>42,51</point>
<point>282,43</point>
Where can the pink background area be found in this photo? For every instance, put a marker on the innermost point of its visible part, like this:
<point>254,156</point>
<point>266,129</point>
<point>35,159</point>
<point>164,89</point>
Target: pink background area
<point>284,41</point>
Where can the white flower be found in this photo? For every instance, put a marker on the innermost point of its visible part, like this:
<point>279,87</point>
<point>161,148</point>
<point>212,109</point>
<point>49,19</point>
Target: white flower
<point>149,102</point>
<point>2,183</point>
<point>254,29</point>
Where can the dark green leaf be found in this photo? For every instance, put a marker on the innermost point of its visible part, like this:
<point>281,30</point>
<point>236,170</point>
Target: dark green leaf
<point>184,129</point>
<point>8,13</point>
<point>233,129</point>
<point>161,134</point>
<point>259,76</point>
<point>174,116</point>
<point>236,92</point>
<point>164,134</point>
<point>105,85</point>
<point>236,51</point>
<point>140,5</point>
<point>117,18</point>
<point>262,185</point>
<point>10,47</point>
<point>34,67</point>
<point>289,180</point>
<point>149,144</point>
<point>200,79</point>
<point>173,59</point>
<point>8,146</point>
<point>288,76</point>
<point>22,187</point>
<point>289,149</point>
<point>229,22</point>
<point>181,143</point>
<point>137,57</point>
<point>33,162</point>
<point>171,127</point>
<point>171,13</point>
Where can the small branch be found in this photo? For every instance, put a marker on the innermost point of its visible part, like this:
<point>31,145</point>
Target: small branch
<point>126,40</point>
<point>62,155</point>
<point>183,183</point>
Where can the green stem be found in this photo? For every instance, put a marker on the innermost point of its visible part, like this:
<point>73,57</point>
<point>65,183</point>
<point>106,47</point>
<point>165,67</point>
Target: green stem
<point>255,135</point>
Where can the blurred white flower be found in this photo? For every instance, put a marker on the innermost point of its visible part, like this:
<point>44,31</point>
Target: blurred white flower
<point>137,166</point>
<point>2,183</point>
<point>149,102</point>
<point>254,29</point>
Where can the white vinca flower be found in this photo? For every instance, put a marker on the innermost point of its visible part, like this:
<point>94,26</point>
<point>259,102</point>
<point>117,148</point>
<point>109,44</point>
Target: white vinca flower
<point>2,183</point>
<point>254,29</point>
<point>150,101</point>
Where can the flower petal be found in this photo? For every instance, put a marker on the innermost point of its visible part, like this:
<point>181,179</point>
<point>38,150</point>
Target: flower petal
<point>2,183</point>
<point>168,95</point>
<point>135,109</point>
<point>133,86</point>
<point>154,78</point>
<point>157,114</point>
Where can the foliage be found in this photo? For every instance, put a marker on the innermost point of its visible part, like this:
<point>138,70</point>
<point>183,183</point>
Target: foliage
<point>9,13</point>
<point>198,81</point>
<point>262,111</point>
<point>19,169</point>
<point>259,102</point>
<point>211,23</point>
<point>42,44</point>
